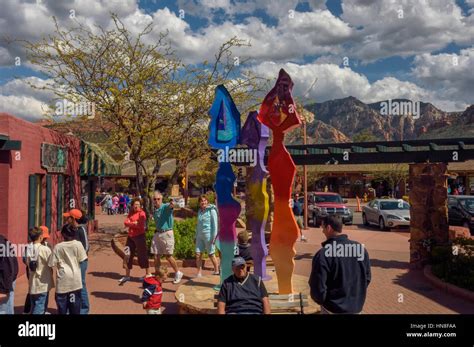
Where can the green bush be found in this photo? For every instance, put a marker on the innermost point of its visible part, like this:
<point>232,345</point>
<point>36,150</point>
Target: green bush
<point>184,233</point>
<point>193,204</point>
<point>455,263</point>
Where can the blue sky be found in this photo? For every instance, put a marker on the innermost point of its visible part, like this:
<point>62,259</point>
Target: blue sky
<point>370,49</point>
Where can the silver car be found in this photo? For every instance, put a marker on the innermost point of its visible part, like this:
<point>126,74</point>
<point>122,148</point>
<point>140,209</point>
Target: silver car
<point>387,213</point>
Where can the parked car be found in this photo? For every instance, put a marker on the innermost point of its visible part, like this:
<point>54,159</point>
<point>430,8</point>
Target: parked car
<point>322,204</point>
<point>386,213</point>
<point>461,211</point>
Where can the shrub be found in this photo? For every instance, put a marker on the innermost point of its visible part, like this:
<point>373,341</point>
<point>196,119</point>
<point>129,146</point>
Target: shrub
<point>184,233</point>
<point>455,263</point>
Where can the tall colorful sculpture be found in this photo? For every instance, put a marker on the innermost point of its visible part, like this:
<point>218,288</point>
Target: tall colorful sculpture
<point>255,136</point>
<point>278,112</point>
<point>224,133</point>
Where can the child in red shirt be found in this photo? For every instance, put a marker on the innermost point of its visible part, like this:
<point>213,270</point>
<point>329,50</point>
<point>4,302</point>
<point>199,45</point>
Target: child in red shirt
<point>153,292</point>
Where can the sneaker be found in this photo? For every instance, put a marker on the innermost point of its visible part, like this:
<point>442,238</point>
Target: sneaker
<point>216,273</point>
<point>123,280</point>
<point>178,277</point>
<point>199,275</point>
<point>303,239</point>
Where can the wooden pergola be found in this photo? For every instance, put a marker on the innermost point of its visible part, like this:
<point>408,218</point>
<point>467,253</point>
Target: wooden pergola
<point>381,152</point>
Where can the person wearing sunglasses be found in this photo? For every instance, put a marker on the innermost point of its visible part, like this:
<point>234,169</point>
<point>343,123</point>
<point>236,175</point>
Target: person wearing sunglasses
<point>163,240</point>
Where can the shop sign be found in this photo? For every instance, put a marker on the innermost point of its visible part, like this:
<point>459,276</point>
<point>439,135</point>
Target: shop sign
<point>54,158</point>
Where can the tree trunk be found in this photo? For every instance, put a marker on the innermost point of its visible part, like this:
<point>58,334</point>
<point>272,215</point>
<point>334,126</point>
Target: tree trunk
<point>172,181</point>
<point>139,184</point>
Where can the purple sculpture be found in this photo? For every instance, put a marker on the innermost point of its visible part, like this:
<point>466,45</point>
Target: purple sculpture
<point>255,135</point>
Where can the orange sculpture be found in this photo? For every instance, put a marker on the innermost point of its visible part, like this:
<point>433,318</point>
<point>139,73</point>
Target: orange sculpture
<point>278,112</point>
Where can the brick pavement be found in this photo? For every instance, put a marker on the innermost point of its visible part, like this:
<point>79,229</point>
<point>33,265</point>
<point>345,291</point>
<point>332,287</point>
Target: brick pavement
<point>390,276</point>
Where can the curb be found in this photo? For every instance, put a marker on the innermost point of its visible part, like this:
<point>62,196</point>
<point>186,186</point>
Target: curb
<point>447,287</point>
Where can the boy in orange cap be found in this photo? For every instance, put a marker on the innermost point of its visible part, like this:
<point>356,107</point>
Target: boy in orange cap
<point>72,217</point>
<point>46,236</point>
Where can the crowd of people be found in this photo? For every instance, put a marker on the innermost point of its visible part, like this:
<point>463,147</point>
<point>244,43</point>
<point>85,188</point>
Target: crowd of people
<point>338,283</point>
<point>112,204</point>
<point>62,268</point>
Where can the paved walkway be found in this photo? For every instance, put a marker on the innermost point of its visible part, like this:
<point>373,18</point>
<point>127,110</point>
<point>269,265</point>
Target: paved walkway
<point>394,288</point>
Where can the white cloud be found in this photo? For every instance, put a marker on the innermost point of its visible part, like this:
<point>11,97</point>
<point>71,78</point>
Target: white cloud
<point>339,82</point>
<point>425,26</point>
<point>21,100</point>
<point>22,107</point>
<point>452,74</point>
<point>303,35</point>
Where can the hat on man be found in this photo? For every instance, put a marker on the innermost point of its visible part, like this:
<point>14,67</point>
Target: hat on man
<point>74,213</point>
<point>238,261</point>
<point>45,230</point>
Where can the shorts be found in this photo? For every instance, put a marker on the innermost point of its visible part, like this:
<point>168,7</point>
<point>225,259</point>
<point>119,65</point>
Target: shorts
<point>204,244</point>
<point>163,243</point>
<point>299,221</point>
<point>137,245</point>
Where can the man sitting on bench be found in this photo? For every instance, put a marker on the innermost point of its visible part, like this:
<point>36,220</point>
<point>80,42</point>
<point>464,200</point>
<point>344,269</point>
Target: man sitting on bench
<point>242,292</point>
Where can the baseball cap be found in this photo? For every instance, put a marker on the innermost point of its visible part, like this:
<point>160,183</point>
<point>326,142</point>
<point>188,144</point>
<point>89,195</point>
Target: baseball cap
<point>238,261</point>
<point>45,231</point>
<point>74,213</point>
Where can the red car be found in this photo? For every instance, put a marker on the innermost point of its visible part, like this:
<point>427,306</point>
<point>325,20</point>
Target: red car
<point>321,204</point>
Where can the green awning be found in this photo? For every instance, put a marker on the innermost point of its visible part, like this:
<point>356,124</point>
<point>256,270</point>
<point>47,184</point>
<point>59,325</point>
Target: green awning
<point>96,162</point>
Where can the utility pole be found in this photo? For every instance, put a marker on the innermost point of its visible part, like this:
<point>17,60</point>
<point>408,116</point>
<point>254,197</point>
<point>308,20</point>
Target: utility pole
<point>305,172</point>
<point>305,184</point>
<point>186,185</point>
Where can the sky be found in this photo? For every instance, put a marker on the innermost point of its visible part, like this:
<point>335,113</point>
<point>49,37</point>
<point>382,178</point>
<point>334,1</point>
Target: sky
<point>374,50</point>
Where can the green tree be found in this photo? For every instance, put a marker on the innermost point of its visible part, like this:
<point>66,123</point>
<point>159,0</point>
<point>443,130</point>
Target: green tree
<point>364,136</point>
<point>394,174</point>
<point>148,103</point>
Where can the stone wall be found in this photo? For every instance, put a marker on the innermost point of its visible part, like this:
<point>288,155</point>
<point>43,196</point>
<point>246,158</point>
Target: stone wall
<point>429,211</point>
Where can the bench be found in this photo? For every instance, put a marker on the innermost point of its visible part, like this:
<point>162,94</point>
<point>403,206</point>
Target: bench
<point>284,303</point>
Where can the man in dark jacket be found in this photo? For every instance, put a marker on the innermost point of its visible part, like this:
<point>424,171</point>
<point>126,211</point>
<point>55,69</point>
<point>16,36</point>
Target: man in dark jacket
<point>8,274</point>
<point>340,272</point>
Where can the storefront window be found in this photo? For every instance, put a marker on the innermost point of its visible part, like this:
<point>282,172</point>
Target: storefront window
<point>34,201</point>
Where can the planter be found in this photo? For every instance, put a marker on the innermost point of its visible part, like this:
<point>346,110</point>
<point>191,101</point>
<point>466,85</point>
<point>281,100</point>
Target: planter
<point>447,287</point>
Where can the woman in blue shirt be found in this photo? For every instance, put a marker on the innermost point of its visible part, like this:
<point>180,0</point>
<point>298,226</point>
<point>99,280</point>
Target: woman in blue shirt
<point>206,231</point>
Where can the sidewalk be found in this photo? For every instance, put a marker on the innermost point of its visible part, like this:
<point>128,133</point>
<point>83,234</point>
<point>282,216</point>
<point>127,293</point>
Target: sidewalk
<point>394,288</point>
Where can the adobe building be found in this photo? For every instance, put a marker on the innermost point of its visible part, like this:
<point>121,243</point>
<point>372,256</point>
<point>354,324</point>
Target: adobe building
<point>43,173</point>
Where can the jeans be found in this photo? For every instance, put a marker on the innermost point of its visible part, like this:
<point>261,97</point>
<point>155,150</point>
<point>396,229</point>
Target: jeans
<point>69,302</point>
<point>39,303</point>
<point>7,305</point>
<point>84,296</point>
